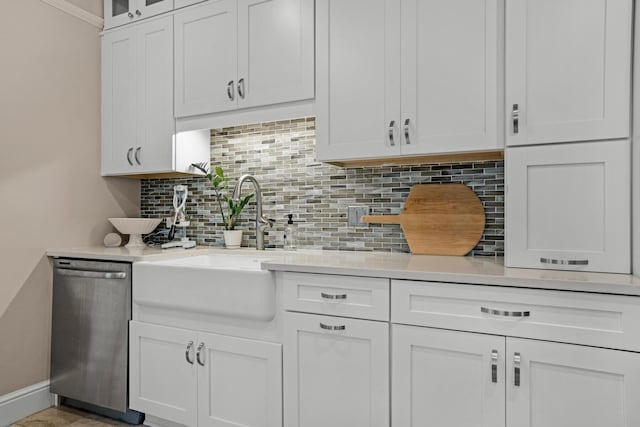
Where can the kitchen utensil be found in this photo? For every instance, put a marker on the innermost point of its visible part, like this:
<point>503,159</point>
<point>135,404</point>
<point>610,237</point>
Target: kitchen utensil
<point>439,219</point>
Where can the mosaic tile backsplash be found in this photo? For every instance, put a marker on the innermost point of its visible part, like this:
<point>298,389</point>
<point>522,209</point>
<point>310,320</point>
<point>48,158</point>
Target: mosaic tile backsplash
<point>281,156</point>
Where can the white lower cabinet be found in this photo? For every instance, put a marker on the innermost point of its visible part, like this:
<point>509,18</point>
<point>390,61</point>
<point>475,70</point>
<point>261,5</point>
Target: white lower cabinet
<point>563,385</point>
<point>450,379</point>
<point>162,381</point>
<point>201,379</point>
<point>496,376</point>
<point>447,378</point>
<point>336,372</point>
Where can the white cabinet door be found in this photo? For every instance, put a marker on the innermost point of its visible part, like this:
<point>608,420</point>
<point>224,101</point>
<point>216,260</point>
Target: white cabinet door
<point>206,58</point>
<point>451,72</point>
<point>276,55</point>
<point>358,72</point>
<point>120,12</point>
<point>447,378</point>
<point>239,382</point>
<point>568,207</point>
<point>562,385</point>
<point>119,100</point>
<point>336,372</point>
<point>156,124</point>
<point>162,372</point>
<point>568,66</point>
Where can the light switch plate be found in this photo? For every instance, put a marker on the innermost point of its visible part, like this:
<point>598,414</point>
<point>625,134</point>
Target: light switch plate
<point>355,214</point>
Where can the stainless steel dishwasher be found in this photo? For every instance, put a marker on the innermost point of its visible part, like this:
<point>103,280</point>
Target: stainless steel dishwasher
<point>89,337</point>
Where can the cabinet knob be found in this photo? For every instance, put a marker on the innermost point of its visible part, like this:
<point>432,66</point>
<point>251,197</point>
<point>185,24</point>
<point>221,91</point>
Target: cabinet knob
<point>333,296</point>
<point>137,156</point>
<point>516,369</point>
<point>241,88</point>
<point>406,131</point>
<point>130,15</point>
<point>129,151</point>
<point>332,327</point>
<point>138,12</point>
<point>188,354</point>
<point>392,126</point>
<point>199,353</point>
<point>494,366</point>
<point>515,116</point>
<point>554,261</point>
<point>230,91</point>
<point>504,313</point>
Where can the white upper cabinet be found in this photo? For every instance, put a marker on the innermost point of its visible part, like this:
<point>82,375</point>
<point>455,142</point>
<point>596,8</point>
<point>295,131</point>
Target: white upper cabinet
<point>138,127</point>
<point>358,72</point>
<point>275,51</point>
<point>568,207</point>
<point>206,58</point>
<point>137,113</point>
<point>568,70</point>
<point>425,80</point>
<point>120,12</point>
<point>233,54</point>
<point>451,78</point>
<point>119,100</point>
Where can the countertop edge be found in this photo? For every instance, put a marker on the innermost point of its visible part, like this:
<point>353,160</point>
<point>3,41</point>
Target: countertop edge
<point>464,278</point>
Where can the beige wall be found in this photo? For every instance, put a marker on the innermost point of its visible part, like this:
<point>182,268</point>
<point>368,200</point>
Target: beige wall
<point>51,192</point>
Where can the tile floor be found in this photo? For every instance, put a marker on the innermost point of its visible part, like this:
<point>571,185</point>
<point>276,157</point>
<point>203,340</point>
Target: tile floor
<point>64,416</point>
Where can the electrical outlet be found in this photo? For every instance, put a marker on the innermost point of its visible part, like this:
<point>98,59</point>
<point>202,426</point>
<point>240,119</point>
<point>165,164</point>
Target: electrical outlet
<point>355,214</point>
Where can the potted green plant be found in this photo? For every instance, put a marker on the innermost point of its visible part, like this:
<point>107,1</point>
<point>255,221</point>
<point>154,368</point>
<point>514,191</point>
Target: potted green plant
<point>229,209</point>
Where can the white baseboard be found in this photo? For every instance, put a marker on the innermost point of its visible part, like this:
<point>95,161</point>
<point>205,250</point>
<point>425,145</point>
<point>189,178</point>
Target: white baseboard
<point>22,403</point>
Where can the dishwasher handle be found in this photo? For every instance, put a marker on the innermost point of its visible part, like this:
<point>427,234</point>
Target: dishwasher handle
<point>92,274</point>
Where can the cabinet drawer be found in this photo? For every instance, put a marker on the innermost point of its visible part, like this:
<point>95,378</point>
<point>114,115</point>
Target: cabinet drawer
<point>347,296</point>
<point>610,321</point>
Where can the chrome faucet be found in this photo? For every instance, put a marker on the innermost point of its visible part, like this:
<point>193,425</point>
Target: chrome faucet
<point>261,222</point>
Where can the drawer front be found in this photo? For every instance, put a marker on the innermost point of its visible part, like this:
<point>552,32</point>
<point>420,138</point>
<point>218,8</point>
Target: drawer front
<point>347,296</point>
<point>610,321</point>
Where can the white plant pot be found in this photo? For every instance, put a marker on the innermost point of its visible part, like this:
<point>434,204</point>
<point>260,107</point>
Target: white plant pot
<point>232,239</point>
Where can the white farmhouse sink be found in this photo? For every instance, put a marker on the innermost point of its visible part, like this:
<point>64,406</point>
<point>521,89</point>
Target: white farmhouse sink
<point>215,284</point>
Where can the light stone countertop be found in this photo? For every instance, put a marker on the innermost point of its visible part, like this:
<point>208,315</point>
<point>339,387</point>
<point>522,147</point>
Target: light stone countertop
<point>469,270</point>
<point>125,254</point>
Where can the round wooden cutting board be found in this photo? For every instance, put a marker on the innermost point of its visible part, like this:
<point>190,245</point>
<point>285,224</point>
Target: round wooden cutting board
<point>439,219</point>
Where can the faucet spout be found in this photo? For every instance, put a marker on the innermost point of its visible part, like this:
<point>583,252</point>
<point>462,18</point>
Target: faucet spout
<point>261,222</point>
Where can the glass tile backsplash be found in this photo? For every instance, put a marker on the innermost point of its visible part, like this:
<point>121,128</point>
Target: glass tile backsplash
<point>281,156</point>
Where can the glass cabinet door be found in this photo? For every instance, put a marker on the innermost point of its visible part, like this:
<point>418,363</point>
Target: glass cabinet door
<point>119,7</point>
<point>120,12</point>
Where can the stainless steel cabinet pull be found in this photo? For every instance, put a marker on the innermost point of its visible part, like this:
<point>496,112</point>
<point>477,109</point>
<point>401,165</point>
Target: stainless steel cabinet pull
<point>241,88</point>
<point>494,366</point>
<point>129,151</point>
<point>107,275</point>
<point>332,327</point>
<point>515,116</point>
<point>505,313</point>
<point>130,15</point>
<point>230,92</point>
<point>516,369</point>
<point>137,155</point>
<point>188,354</point>
<point>138,13</point>
<point>553,261</point>
<point>333,296</point>
<point>198,353</point>
<point>406,131</point>
<point>392,125</point>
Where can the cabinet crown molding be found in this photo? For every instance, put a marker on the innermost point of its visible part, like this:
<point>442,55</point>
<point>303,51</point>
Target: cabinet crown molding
<point>76,12</point>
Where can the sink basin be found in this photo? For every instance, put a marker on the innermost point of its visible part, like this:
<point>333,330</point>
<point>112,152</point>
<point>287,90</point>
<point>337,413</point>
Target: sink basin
<point>213,284</point>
